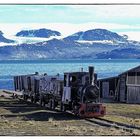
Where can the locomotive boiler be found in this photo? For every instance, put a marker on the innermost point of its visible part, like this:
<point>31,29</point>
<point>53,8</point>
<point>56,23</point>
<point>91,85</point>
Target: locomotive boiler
<point>76,92</point>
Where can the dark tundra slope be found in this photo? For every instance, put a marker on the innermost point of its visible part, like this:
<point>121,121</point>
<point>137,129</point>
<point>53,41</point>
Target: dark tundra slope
<point>44,33</point>
<point>5,40</point>
<point>132,53</point>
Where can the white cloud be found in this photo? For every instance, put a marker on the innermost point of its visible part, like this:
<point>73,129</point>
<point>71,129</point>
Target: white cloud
<point>132,35</point>
<point>121,14</point>
<point>110,11</point>
<point>68,1</point>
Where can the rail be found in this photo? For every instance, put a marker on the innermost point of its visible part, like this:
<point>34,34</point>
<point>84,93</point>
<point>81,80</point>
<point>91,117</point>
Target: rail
<point>98,121</point>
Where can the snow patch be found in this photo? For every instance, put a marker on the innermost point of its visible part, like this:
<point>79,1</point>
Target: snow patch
<point>96,41</point>
<point>81,36</point>
<point>6,44</point>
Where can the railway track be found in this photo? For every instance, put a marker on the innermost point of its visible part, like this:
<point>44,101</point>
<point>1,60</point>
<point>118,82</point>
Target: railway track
<point>117,125</point>
<point>97,121</point>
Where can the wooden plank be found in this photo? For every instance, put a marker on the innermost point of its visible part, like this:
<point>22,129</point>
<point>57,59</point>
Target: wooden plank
<point>133,94</point>
<point>105,89</point>
<point>11,92</point>
<point>122,88</point>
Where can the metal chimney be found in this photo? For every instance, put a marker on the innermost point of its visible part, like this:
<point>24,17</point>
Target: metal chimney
<point>82,70</point>
<point>91,75</point>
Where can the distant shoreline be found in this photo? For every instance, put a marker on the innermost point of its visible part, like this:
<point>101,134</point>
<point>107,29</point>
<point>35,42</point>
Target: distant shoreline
<point>74,59</point>
<point>104,67</point>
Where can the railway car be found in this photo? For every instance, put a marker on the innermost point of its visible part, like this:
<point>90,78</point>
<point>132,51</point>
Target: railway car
<point>51,90</point>
<point>76,92</point>
<point>25,84</point>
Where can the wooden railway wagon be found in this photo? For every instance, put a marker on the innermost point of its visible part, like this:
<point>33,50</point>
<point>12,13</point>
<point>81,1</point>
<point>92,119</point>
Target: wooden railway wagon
<point>50,90</point>
<point>22,82</point>
<point>123,88</point>
<point>40,88</point>
<point>33,94</point>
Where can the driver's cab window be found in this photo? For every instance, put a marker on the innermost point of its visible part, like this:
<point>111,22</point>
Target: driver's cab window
<point>73,79</point>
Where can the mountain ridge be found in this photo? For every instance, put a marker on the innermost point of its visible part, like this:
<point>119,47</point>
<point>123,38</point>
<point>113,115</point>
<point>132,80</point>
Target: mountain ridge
<point>42,33</point>
<point>70,48</point>
<point>96,35</point>
<point>5,40</point>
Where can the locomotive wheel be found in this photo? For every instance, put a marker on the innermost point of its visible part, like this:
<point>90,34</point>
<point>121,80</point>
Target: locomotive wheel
<point>76,110</point>
<point>81,113</point>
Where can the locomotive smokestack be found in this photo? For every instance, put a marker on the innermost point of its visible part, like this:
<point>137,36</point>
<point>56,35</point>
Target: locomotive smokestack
<point>36,73</point>
<point>91,75</point>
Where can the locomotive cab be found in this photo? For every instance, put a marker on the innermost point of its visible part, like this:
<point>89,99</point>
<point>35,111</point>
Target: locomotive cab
<point>72,82</point>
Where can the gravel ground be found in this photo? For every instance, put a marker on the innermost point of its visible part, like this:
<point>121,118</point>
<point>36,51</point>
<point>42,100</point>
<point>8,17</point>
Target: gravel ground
<point>18,118</point>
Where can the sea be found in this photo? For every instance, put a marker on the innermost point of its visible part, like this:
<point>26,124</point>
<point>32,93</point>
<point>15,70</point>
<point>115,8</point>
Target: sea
<point>103,67</point>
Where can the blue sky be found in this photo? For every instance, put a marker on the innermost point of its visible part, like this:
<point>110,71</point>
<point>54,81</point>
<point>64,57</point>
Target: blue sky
<point>119,14</point>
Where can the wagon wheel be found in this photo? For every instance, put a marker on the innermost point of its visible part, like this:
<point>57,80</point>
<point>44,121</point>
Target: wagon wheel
<point>43,103</point>
<point>60,106</point>
<point>63,107</point>
<point>24,97</point>
<point>32,99</point>
<point>40,102</point>
<point>50,104</point>
<point>53,104</point>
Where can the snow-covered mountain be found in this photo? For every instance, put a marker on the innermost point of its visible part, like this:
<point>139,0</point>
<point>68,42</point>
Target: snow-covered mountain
<point>42,33</point>
<point>96,35</point>
<point>96,43</point>
<point>5,40</point>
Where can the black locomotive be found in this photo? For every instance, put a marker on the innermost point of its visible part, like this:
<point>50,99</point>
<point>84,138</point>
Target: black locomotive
<point>76,92</point>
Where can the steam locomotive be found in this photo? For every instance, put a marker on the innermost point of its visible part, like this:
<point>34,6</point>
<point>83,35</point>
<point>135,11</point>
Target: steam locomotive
<point>76,92</point>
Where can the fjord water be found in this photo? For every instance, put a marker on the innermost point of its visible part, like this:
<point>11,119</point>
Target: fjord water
<point>104,68</point>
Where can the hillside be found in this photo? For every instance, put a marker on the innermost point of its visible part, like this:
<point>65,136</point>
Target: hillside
<point>131,53</point>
